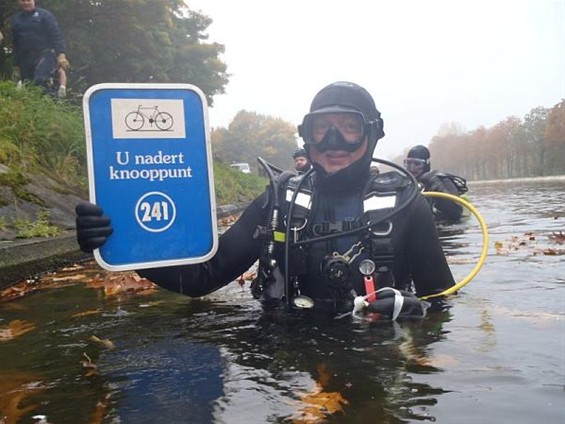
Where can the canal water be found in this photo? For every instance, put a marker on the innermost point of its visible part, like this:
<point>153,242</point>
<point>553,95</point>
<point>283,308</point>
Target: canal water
<point>92,347</point>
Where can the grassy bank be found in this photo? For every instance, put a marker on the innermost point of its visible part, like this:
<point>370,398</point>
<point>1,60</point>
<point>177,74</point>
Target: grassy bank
<point>39,135</point>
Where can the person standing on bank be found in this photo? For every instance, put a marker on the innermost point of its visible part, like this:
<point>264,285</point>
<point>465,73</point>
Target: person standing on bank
<point>39,47</point>
<point>301,161</point>
<point>418,163</point>
<point>347,218</point>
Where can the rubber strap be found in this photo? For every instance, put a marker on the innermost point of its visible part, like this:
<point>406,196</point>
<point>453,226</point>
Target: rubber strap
<point>398,302</point>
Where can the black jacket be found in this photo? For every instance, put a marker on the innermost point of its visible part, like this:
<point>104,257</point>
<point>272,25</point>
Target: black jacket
<point>444,209</point>
<point>417,250</point>
<point>34,32</point>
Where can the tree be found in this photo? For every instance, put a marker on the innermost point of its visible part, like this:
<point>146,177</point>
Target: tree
<point>534,129</point>
<point>136,41</point>
<point>7,9</point>
<point>555,136</point>
<point>250,135</point>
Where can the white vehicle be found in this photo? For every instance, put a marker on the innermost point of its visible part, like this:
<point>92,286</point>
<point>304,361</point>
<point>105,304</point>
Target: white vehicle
<point>242,167</point>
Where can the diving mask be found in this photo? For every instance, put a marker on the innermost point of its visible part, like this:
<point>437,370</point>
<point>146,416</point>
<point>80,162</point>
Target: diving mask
<point>335,130</point>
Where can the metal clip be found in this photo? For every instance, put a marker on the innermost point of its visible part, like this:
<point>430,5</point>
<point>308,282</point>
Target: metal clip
<point>384,233</point>
<point>352,253</point>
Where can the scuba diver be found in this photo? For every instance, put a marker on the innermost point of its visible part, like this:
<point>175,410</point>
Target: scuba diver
<point>301,162</point>
<point>418,163</point>
<point>326,238</point>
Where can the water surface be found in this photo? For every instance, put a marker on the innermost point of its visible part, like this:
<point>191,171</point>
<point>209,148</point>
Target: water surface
<point>497,356</point>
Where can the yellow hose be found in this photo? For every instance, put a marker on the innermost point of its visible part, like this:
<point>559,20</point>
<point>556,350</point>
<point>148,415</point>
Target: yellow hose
<point>484,251</point>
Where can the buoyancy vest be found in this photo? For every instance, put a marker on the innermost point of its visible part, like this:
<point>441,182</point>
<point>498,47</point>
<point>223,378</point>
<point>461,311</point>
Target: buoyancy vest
<point>459,182</point>
<point>322,228</point>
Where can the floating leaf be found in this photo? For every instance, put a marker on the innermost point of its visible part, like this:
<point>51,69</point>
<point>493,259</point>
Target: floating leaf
<point>87,313</point>
<point>553,252</point>
<point>108,344</point>
<point>91,368</point>
<point>558,238</point>
<point>241,281</point>
<point>76,277</point>
<point>249,275</point>
<point>318,405</point>
<point>15,388</point>
<point>72,268</point>
<point>15,329</point>
<point>115,283</point>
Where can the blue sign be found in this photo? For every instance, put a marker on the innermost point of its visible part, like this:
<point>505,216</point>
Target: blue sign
<point>150,170</point>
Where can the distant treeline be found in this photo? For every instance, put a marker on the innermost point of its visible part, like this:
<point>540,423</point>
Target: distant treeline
<point>513,148</point>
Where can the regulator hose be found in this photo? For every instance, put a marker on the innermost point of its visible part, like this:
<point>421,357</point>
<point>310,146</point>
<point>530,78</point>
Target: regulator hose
<point>484,251</point>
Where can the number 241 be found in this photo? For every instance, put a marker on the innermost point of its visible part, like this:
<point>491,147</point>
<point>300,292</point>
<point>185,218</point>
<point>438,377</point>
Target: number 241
<point>159,211</point>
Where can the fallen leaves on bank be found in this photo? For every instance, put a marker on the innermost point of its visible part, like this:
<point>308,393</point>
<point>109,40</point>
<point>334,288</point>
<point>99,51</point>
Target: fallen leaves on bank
<point>227,221</point>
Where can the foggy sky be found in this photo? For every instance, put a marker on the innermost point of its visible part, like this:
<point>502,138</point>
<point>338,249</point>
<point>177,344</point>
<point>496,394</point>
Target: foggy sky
<point>427,63</point>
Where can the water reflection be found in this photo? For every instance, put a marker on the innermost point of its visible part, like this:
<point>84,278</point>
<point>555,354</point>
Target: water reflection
<point>354,370</point>
<point>216,360</point>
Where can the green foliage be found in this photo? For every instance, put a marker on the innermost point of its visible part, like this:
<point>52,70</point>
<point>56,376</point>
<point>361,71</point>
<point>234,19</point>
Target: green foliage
<point>38,228</point>
<point>40,133</point>
<point>232,186</point>
<point>17,182</point>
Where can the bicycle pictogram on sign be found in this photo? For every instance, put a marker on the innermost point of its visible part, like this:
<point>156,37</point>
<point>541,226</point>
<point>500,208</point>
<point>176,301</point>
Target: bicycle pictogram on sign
<point>149,118</point>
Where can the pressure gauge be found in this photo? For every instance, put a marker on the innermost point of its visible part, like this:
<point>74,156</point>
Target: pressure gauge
<point>366,267</point>
<point>303,302</point>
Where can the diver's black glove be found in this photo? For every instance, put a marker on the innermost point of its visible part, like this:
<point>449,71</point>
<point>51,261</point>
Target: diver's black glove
<point>93,228</point>
<point>398,304</point>
<point>431,182</point>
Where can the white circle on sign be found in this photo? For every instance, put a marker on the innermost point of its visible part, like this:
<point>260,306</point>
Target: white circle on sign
<point>155,211</point>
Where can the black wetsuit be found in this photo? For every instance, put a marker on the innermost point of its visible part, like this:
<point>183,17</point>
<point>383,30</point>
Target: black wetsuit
<point>418,255</point>
<point>37,43</point>
<point>444,209</point>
